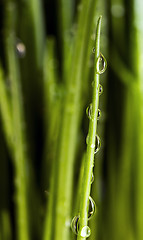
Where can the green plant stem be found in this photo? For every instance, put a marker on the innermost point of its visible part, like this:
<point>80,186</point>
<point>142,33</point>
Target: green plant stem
<point>52,123</point>
<point>5,110</point>
<point>19,144</point>
<point>89,159</point>
<point>136,57</point>
<point>20,158</point>
<point>70,120</point>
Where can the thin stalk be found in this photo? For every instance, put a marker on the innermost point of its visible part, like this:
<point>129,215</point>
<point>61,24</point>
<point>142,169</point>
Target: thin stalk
<point>5,109</point>
<point>70,121</point>
<point>19,148</point>
<point>19,143</point>
<point>52,123</point>
<point>89,159</point>
<point>136,53</point>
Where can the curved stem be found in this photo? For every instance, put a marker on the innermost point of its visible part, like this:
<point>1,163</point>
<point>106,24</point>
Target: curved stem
<point>89,159</point>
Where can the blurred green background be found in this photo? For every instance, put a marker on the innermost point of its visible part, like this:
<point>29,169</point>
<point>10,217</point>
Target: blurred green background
<point>46,75</point>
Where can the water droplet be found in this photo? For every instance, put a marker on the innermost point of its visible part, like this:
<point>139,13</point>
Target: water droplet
<point>101,64</point>
<point>97,144</point>
<point>100,89</point>
<point>20,49</point>
<point>85,231</point>
<point>93,49</point>
<point>89,111</point>
<point>92,178</point>
<point>75,224</point>
<point>92,208</point>
<point>99,114</point>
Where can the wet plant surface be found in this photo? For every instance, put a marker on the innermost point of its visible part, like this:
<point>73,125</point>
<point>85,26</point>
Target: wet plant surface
<point>71,154</point>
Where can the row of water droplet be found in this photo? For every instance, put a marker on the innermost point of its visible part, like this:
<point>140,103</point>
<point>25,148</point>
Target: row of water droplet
<point>101,66</point>
<point>85,231</point>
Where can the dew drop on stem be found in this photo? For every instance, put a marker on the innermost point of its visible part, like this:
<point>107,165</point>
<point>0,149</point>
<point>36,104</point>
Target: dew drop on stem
<point>85,232</point>
<point>101,64</point>
<point>93,49</point>
<point>92,178</point>
<point>92,208</point>
<point>75,225</point>
<point>89,111</point>
<point>98,114</point>
<point>97,144</point>
<point>100,89</point>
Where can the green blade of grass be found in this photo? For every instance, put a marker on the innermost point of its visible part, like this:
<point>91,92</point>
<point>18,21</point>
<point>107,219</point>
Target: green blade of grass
<point>70,120</point>
<point>89,159</point>
<point>5,109</point>
<point>19,144</point>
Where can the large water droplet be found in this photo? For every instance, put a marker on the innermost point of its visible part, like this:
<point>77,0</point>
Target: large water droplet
<point>100,89</point>
<point>89,111</point>
<point>97,144</point>
<point>20,49</point>
<point>92,208</point>
<point>85,231</point>
<point>101,64</point>
<point>75,225</point>
<point>99,114</point>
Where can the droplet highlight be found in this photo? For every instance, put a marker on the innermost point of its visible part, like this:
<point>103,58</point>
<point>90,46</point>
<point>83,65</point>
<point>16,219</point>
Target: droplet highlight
<point>85,231</point>
<point>20,49</point>
<point>98,114</point>
<point>97,144</point>
<point>75,225</point>
<point>100,89</point>
<point>89,111</point>
<point>92,208</point>
<point>101,64</point>
<point>92,178</point>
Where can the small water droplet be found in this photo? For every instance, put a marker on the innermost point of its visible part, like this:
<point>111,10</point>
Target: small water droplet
<point>93,49</point>
<point>100,89</point>
<point>99,114</point>
<point>85,231</point>
<point>89,111</point>
<point>20,49</point>
<point>101,64</point>
<point>75,225</point>
<point>92,178</point>
<point>97,144</point>
<point>92,208</point>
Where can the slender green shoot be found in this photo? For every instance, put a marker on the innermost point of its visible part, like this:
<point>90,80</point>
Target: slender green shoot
<point>70,120</point>
<point>89,159</point>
